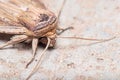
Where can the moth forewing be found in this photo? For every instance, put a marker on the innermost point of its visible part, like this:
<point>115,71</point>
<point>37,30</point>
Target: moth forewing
<point>9,13</point>
<point>24,4</point>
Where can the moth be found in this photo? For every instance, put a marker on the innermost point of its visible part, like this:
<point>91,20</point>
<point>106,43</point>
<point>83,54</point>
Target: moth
<point>30,21</point>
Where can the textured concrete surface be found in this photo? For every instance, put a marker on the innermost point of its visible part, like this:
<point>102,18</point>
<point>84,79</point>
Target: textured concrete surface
<point>73,59</point>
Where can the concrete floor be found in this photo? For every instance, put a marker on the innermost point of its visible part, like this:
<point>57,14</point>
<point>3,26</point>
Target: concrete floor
<point>73,59</point>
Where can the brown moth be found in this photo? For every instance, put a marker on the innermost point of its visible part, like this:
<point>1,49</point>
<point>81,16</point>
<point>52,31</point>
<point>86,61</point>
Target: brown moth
<point>30,20</point>
<point>33,22</point>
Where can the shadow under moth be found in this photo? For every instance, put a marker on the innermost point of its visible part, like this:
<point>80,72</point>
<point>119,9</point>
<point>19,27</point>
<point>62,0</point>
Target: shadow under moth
<point>31,21</point>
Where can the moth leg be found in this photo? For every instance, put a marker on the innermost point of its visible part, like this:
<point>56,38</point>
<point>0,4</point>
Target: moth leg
<point>39,61</point>
<point>61,30</point>
<point>28,41</point>
<point>14,40</point>
<point>34,49</point>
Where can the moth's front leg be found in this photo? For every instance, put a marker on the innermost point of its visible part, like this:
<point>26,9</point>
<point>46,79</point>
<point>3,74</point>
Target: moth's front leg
<point>14,40</point>
<point>20,34</point>
<point>34,49</point>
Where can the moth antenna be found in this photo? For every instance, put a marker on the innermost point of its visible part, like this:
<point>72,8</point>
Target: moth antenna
<point>61,30</point>
<point>86,38</point>
<point>61,8</point>
<point>39,61</point>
